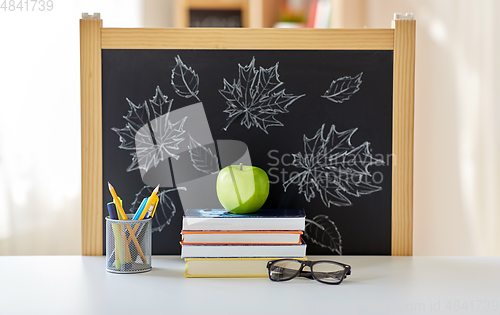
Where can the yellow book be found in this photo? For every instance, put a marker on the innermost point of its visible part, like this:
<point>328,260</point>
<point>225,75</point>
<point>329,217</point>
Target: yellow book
<point>228,267</point>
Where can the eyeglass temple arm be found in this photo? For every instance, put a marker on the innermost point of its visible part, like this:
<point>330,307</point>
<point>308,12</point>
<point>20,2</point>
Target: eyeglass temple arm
<point>308,274</point>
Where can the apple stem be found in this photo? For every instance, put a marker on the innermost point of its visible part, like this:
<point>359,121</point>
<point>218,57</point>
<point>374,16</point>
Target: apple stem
<point>241,166</point>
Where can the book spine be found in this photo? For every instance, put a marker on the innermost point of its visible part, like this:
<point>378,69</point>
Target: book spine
<point>233,251</point>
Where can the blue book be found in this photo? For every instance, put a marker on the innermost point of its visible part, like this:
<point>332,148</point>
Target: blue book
<point>262,220</point>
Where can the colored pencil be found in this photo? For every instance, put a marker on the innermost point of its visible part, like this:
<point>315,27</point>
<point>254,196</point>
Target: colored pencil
<point>119,207</point>
<point>123,216</point>
<point>150,202</point>
<point>154,210</point>
<point>140,209</point>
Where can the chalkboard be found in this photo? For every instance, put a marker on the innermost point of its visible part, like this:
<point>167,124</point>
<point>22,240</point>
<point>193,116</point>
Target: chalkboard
<point>327,148</point>
<point>328,114</point>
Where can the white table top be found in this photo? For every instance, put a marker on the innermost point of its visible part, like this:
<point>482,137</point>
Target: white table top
<point>378,285</point>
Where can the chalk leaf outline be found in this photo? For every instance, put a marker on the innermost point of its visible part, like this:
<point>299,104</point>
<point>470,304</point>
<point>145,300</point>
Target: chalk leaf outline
<point>202,157</point>
<point>333,168</point>
<point>343,88</point>
<point>165,210</point>
<point>323,232</point>
<point>149,133</point>
<point>184,80</point>
<point>257,96</point>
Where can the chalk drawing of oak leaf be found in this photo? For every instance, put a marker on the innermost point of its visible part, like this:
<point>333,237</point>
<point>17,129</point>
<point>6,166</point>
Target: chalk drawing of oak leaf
<point>256,97</point>
<point>165,210</point>
<point>184,80</point>
<point>332,167</point>
<point>323,232</point>
<point>202,157</point>
<point>149,133</point>
<point>343,88</point>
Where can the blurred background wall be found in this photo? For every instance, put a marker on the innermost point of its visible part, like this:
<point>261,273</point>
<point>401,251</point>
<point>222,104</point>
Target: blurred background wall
<point>457,110</point>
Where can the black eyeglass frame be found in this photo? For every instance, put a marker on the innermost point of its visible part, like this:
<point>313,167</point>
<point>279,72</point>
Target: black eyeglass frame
<point>308,274</point>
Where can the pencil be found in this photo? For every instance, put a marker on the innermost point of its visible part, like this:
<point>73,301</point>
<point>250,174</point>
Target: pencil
<point>154,209</point>
<point>137,226</point>
<point>151,208</point>
<point>123,216</point>
<point>150,202</point>
<point>121,212</point>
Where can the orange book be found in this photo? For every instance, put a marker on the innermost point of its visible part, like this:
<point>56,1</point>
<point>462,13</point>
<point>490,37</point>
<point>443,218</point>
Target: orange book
<point>241,237</point>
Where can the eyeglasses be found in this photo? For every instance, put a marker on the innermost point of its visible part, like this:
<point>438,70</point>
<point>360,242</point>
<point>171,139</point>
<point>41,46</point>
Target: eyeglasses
<point>324,271</point>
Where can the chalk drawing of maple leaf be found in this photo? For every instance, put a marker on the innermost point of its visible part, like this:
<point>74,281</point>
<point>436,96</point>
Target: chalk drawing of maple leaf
<point>332,167</point>
<point>257,97</point>
<point>149,133</point>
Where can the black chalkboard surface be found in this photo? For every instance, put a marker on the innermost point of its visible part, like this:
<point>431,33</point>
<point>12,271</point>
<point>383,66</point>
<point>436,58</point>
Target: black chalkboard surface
<point>318,122</point>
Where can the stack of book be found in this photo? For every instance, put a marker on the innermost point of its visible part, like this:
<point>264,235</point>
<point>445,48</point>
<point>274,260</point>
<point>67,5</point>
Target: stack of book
<point>216,243</point>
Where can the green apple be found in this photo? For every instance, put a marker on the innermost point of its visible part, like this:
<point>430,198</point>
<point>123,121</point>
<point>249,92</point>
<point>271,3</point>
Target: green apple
<point>242,189</point>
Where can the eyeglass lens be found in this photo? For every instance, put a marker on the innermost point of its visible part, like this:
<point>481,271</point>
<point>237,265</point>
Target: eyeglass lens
<point>328,272</point>
<point>284,270</point>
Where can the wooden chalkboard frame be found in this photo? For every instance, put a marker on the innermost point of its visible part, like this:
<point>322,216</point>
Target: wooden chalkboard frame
<point>400,39</point>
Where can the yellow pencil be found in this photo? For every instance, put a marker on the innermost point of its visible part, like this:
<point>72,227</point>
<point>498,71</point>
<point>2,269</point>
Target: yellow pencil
<point>123,216</point>
<point>150,202</point>
<point>154,210</point>
<point>136,227</point>
<point>121,212</point>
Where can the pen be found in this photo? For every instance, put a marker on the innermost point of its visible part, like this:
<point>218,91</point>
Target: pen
<point>116,231</point>
<point>112,211</point>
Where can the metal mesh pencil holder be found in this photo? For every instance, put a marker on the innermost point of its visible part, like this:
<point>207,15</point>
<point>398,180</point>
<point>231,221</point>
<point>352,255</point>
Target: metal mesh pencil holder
<point>128,245</point>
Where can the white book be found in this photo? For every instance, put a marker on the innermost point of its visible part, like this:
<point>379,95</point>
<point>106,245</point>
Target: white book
<point>262,220</point>
<point>217,251</point>
<point>241,237</point>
